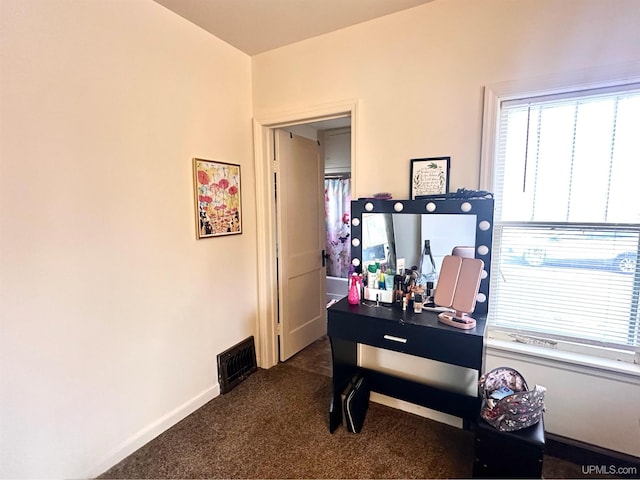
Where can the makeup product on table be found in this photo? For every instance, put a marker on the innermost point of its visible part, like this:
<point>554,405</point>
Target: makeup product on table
<point>417,303</point>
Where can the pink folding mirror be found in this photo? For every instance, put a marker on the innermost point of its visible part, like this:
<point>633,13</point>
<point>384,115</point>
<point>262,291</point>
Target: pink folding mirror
<point>457,288</point>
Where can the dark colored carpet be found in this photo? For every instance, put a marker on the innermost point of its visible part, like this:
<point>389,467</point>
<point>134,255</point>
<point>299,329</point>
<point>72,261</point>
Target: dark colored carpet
<point>274,425</point>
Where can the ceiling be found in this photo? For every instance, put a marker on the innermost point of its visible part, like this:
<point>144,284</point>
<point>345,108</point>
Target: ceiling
<point>255,26</point>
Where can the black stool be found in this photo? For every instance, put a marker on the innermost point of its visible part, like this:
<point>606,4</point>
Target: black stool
<point>515,454</point>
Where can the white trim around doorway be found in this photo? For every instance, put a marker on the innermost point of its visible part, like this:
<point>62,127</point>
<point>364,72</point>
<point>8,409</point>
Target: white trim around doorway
<point>267,314</point>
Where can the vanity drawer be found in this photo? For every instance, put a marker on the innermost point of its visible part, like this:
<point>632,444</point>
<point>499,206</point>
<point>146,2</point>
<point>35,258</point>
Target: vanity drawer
<point>439,343</point>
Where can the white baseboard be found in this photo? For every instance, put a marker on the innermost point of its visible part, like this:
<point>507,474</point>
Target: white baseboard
<point>151,431</point>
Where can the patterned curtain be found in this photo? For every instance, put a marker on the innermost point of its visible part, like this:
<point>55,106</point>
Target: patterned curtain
<point>337,200</point>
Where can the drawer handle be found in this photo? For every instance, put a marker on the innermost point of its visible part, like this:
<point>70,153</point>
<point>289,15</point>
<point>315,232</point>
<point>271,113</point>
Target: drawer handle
<point>395,339</point>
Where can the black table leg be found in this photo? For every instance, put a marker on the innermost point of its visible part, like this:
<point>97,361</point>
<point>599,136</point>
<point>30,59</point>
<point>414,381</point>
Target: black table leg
<point>345,364</point>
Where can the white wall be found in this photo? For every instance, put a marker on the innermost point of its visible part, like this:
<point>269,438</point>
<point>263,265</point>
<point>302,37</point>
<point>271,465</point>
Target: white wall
<point>418,76</point>
<point>111,312</point>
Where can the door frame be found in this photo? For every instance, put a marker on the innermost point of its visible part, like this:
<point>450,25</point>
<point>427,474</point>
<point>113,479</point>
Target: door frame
<point>263,145</point>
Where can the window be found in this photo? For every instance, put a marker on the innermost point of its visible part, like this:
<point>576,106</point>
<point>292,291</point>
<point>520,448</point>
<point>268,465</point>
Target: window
<point>566,179</point>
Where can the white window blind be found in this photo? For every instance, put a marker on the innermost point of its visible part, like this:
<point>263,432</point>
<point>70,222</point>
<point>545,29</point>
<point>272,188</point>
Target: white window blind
<point>567,220</point>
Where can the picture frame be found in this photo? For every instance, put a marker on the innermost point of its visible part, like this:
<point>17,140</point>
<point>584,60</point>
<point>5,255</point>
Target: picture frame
<point>218,200</point>
<point>429,176</point>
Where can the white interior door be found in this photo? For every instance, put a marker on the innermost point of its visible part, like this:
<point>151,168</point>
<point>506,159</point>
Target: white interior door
<point>301,242</point>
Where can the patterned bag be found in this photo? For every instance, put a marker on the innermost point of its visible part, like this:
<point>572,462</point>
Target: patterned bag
<point>507,402</point>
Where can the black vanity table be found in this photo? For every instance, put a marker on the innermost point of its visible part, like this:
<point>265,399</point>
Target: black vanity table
<point>420,335</point>
<point>403,226</point>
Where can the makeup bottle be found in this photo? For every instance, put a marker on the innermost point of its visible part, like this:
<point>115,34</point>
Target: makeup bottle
<point>372,277</point>
<point>389,280</point>
<point>399,292</point>
<point>428,299</point>
<point>417,303</point>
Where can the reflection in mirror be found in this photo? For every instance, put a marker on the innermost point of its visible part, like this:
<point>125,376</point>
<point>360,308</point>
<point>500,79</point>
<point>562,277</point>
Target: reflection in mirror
<point>378,240</point>
<point>387,237</point>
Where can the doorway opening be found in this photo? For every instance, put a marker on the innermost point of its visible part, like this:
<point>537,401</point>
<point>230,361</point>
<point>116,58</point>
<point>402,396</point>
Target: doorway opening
<point>321,119</point>
<point>334,138</point>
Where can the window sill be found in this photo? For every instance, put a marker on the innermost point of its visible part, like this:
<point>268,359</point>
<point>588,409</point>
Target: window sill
<point>580,363</point>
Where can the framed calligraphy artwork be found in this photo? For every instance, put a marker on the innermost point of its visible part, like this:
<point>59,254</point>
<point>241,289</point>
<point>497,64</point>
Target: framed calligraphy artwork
<point>429,176</point>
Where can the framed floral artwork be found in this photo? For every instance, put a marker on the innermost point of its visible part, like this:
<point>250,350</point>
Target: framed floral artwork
<point>217,198</point>
<point>429,176</point>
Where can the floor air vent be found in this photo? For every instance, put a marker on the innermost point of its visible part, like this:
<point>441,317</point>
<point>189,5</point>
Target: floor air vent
<point>236,364</point>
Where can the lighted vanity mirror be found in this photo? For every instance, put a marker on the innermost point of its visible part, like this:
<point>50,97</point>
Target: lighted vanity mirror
<point>384,232</point>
